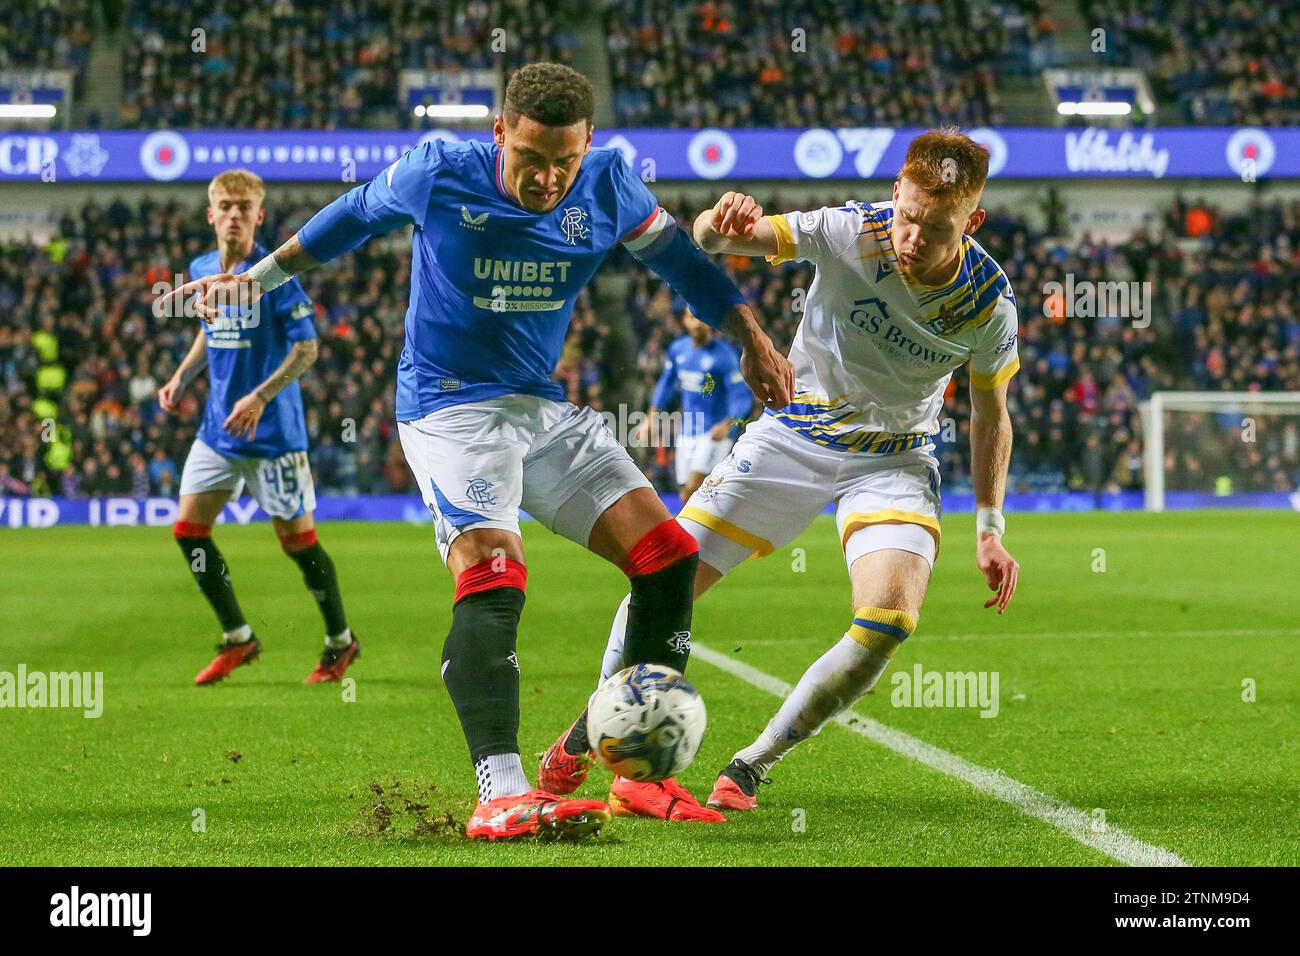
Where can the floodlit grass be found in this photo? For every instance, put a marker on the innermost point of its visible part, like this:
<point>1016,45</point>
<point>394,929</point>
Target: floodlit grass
<point>1120,690</point>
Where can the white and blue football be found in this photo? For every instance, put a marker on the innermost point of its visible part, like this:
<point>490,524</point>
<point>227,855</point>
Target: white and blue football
<point>646,722</point>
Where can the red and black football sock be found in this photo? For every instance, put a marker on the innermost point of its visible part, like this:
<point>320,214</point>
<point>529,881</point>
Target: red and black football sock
<point>479,665</point>
<point>210,572</point>
<point>661,568</point>
<point>319,576</point>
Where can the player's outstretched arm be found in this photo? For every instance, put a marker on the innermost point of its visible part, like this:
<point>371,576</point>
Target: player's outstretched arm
<point>767,372</point>
<point>735,225</point>
<point>211,294</point>
<point>195,361</point>
<point>990,452</point>
<point>396,197</point>
<point>661,244</point>
<point>715,300</point>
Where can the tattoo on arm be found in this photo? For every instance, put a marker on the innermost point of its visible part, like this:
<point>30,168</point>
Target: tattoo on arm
<point>195,361</point>
<point>293,258</point>
<point>299,359</point>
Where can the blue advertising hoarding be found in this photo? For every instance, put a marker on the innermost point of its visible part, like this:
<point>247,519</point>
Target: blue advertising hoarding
<point>162,512</point>
<point>346,156</point>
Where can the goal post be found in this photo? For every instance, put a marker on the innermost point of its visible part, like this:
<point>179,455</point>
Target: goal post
<point>1221,445</point>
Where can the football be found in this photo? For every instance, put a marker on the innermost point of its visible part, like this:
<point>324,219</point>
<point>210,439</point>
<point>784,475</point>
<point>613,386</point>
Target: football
<point>646,722</point>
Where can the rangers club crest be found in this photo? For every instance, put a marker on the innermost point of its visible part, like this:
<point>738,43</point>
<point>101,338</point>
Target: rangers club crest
<point>574,225</point>
<point>479,491</point>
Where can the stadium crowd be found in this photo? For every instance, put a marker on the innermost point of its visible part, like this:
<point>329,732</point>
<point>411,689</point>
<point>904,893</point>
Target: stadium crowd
<point>1222,62</point>
<point>816,62</point>
<point>298,64</point>
<point>48,35</point>
<point>302,64</point>
<point>82,353</point>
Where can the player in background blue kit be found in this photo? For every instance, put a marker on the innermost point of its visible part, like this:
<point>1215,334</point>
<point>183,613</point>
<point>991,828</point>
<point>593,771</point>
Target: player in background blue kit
<point>505,237</point>
<point>705,371</point>
<point>253,434</point>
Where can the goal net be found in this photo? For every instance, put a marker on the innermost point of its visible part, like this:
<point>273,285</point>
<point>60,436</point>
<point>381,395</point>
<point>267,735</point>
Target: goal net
<point>1222,449</point>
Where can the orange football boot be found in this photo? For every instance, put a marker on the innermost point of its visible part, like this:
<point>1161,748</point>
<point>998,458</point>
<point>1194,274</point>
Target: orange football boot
<point>736,787</point>
<point>561,771</point>
<point>662,800</point>
<point>536,814</point>
<point>229,656</point>
<point>333,663</point>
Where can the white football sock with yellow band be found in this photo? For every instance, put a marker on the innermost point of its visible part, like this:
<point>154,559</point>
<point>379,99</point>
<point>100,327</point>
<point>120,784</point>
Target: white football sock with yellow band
<point>835,681</point>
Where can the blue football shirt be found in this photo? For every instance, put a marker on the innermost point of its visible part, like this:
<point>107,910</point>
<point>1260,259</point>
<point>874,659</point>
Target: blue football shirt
<point>709,381</point>
<point>244,348</point>
<point>492,284</point>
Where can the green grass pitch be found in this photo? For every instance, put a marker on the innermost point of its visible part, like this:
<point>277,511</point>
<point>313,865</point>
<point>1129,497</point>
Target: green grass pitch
<point>1120,690</point>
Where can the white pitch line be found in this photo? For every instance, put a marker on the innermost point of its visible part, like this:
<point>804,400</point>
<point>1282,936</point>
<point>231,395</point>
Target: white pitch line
<point>1060,635</point>
<point>1071,821</point>
<point>1054,635</point>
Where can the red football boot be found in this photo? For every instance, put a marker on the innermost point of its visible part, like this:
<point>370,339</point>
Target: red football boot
<point>736,787</point>
<point>536,814</point>
<point>663,800</point>
<point>333,663</point>
<point>229,656</point>
<point>561,771</point>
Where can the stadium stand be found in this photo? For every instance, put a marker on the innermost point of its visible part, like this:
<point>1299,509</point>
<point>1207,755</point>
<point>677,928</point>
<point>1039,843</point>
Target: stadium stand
<point>47,34</point>
<point>295,64</point>
<point>83,350</point>
<point>731,64</point>
<point>1220,62</point>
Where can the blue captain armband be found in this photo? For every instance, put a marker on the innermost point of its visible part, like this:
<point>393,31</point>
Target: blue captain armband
<point>665,248</point>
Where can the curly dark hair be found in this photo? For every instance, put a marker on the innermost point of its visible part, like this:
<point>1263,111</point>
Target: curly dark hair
<point>551,94</point>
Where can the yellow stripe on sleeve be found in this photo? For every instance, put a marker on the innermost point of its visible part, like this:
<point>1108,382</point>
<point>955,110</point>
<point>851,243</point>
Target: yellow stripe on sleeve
<point>987,383</point>
<point>785,250</point>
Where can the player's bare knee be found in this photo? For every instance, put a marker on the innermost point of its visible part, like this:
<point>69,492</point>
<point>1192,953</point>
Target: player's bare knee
<point>890,596</point>
<point>891,580</point>
<point>625,524</point>
<point>201,508</point>
<point>484,544</point>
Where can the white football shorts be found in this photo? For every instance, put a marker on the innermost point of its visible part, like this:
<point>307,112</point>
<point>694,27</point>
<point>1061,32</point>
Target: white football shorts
<point>699,455</point>
<point>775,482</point>
<point>478,463</point>
<point>282,486</point>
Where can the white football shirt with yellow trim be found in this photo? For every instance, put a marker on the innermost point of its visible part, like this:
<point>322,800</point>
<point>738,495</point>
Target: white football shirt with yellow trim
<point>875,349</point>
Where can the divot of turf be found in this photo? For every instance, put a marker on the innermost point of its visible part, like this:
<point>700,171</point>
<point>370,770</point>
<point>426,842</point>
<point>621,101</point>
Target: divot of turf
<point>405,811</point>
